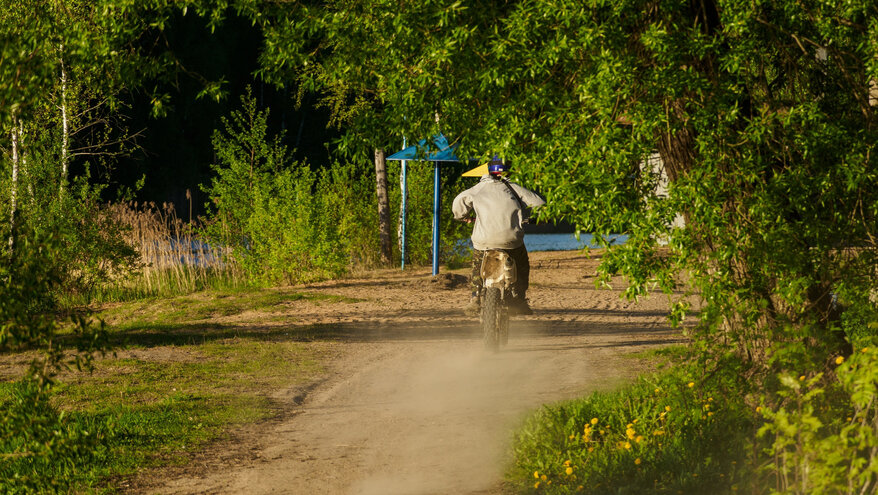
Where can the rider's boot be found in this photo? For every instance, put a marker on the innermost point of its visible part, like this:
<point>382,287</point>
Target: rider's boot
<point>518,306</point>
<point>473,307</point>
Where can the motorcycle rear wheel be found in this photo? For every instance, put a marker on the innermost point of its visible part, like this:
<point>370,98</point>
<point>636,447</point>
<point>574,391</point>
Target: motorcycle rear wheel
<point>492,318</point>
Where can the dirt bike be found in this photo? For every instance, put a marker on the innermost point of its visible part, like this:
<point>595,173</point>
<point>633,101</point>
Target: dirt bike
<point>498,275</point>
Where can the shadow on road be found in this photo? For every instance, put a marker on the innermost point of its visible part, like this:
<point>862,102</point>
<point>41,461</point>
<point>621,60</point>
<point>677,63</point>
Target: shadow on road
<point>640,327</point>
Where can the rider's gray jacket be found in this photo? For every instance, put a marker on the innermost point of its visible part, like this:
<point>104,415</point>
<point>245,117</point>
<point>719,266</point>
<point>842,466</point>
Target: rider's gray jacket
<point>498,214</point>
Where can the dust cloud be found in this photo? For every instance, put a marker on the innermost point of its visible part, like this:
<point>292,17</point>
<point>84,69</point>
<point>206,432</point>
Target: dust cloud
<point>448,410</point>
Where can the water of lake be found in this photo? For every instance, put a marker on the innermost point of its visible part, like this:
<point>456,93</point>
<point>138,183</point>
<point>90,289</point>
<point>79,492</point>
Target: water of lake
<point>564,242</point>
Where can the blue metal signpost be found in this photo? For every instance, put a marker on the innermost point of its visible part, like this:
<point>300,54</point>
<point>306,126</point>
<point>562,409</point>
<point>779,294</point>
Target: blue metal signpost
<point>404,201</point>
<point>436,200</point>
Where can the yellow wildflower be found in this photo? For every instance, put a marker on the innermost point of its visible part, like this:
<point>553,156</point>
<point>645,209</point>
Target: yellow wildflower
<point>594,421</point>
<point>567,462</point>
<point>637,461</point>
<point>537,474</point>
<point>839,360</point>
<point>710,399</point>
<point>543,477</point>
<point>630,433</point>
<point>591,449</point>
<point>668,408</point>
<point>537,484</point>
<point>627,445</point>
<point>758,408</point>
<point>569,471</point>
<point>802,378</point>
<point>658,432</point>
<point>638,438</point>
<point>709,414</point>
<point>690,384</point>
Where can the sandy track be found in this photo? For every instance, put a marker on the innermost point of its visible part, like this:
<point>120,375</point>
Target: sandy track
<point>413,405</point>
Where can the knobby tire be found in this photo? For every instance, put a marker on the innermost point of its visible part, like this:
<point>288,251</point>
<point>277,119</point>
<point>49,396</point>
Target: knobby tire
<point>491,318</point>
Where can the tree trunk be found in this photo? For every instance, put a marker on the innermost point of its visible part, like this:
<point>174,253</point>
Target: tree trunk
<point>13,195</point>
<point>383,206</point>
<point>65,139</point>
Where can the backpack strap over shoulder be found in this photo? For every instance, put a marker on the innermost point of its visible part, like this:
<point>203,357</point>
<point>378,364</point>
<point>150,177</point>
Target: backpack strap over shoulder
<point>517,198</point>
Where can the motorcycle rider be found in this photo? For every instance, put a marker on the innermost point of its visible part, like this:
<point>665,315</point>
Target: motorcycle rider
<point>500,208</point>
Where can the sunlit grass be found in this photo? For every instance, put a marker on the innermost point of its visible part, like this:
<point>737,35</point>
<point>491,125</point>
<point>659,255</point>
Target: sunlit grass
<point>669,434</point>
<point>180,377</point>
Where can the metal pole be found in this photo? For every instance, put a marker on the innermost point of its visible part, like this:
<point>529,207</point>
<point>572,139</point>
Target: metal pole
<point>404,201</point>
<point>436,191</point>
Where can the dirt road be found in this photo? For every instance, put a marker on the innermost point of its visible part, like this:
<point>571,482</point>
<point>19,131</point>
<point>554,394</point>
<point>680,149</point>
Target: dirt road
<point>412,404</point>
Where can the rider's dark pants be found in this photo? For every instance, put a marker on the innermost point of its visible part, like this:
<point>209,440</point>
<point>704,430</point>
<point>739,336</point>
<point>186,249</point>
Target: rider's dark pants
<point>522,266</point>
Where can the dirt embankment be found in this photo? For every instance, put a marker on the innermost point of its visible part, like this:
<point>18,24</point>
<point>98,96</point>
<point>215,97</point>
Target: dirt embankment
<point>411,403</point>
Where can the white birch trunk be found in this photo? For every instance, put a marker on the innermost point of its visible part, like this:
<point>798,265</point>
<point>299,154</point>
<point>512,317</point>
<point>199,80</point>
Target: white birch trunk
<point>14,188</point>
<point>65,151</point>
<point>23,173</point>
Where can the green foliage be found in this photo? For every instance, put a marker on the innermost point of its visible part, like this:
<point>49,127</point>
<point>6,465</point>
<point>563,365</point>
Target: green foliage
<point>277,216</point>
<point>760,113</point>
<point>676,432</point>
<point>702,428</point>
<point>34,437</point>
<point>294,229</point>
<point>29,283</point>
<point>287,222</point>
<point>821,432</point>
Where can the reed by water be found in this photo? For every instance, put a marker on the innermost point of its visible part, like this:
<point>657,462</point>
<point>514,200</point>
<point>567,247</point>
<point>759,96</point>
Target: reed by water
<point>173,259</point>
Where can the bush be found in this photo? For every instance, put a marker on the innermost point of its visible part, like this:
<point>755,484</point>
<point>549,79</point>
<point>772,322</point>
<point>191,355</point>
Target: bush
<point>36,440</point>
<point>821,431</point>
<point>285,221</point>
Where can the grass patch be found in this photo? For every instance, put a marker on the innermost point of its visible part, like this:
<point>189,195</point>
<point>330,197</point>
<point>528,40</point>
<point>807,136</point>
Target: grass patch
<point>711,424</point>
<point>667,434</point>
<point>205,305</point>
<point>151,412</point>
<point>184,381</point>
